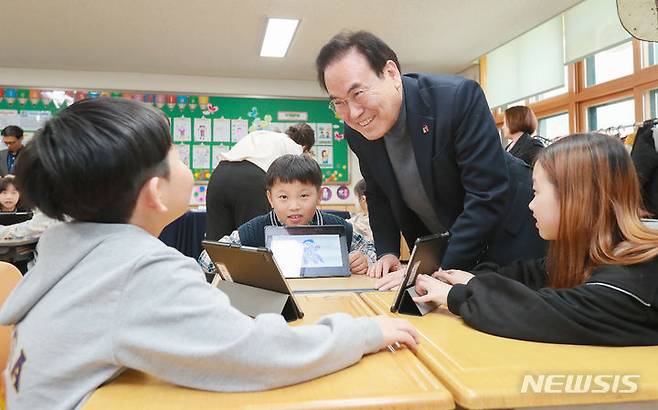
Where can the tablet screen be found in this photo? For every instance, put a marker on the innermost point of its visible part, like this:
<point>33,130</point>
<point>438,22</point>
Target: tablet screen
<point>309,251</point>
<point>299,253</point>
<point>426,258</point>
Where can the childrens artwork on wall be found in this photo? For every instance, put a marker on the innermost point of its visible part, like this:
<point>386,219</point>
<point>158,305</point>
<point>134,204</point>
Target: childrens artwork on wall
<point>199,195</point>
<point>183,153</point>
<point>343,192</point>
<point>323,133</point>
<point>182,129</point>
<point>201,157</point>
<point>9,117</point>
<point>239,129</point>
<point>202,130</point>
<point>325,193</point>
<point>221,130</point>
<point>216,152</point>
<point>325,156</point>
<point>337,195</point>
<point>280,126</point>
<point>202,126</point>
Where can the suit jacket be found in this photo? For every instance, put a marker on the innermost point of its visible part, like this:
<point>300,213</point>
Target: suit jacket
<point>3,162</point>
<point>527,149</point>
<point>464,170</point>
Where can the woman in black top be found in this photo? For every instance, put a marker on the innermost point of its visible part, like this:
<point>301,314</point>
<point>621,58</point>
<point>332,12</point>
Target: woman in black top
<point>599,282</point>
<point>518,126</point>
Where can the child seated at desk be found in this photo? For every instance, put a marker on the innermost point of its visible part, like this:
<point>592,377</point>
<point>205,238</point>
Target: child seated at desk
<point>293,184</point>
<point>106,294</point>
<point>9,195</point>
<point>30,229</point>
<point>599,282</point>
<point>360,220</point>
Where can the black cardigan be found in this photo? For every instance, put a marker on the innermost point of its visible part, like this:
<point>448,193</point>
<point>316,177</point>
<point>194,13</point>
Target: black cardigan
<point>617,306</point>
<point>527,148</point>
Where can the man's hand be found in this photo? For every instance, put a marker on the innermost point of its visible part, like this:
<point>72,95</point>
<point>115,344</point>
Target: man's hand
<point>385,264</point>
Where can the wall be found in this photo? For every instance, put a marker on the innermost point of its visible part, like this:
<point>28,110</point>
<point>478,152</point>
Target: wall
<point>31,78</point>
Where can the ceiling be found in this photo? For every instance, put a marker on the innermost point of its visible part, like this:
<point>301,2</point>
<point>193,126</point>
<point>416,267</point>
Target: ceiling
<point>222,38</point>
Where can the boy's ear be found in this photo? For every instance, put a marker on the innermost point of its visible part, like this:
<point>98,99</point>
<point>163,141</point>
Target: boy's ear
<point>150,195</point>
<point>319,196</point>
<point>269,198</point>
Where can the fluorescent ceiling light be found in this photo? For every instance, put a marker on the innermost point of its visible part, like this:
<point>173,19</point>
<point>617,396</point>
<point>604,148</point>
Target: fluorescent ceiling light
<point>278,35</point>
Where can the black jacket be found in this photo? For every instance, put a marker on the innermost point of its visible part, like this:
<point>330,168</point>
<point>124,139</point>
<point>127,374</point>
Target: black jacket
<point>479,192</point>
<point>527,149</point>
<point>645,158</point>
<point>617,306</point>
<point>236,194</point>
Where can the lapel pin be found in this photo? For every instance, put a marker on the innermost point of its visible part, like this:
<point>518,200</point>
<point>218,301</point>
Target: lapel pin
<point>426,129</point>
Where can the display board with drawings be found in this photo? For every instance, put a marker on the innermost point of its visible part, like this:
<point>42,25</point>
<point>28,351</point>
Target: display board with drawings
<point>201,132</point>
<point>29,121</point>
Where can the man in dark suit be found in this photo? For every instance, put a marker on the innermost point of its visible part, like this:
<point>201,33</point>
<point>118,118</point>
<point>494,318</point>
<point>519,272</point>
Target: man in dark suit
<point>12,136</point>
<point>429,151</point>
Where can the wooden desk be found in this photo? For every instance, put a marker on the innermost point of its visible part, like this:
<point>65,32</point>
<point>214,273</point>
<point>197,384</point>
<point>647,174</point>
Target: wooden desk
<point>19,242</point>
<point>485,371</point>
<point>383,380</point>
<point>353,283</point>
<point>18,251</point>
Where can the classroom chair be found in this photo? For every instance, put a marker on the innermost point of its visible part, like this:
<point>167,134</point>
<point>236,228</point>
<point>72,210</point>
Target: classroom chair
<point>9,278</point>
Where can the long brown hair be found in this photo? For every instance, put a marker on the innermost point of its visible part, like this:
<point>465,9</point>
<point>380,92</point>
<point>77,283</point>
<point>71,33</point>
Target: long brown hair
<point>599,197</point>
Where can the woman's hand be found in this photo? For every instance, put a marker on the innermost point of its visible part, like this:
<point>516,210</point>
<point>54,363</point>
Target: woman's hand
<point>453,276</point>
<point>431,290</point>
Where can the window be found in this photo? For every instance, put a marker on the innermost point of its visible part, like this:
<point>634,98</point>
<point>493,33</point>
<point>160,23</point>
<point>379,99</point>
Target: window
<point>554,126</point>
<point>653,103</point>
<point>650,53</point>
<point>553,93</point>
<point>612,114</point>
<point>513,104</point>
<point>610,64</point>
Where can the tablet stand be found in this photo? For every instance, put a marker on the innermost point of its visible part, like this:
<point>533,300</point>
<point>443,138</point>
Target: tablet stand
<point>409,307</point>
<point>253,301</point>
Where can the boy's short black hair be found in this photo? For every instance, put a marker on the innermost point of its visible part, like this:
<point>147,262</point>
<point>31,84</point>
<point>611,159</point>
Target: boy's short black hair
<point>373,48</point>
<point>91,160</point>
<point>6,181</point>
<point>291,168</point>
<point>12,131</point>
<point>360,188</point>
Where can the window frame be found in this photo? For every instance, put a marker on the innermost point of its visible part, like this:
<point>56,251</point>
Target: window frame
<point>580,97</point>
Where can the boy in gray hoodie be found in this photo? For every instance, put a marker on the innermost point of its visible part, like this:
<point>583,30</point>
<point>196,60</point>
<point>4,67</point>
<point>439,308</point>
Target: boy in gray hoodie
<point>106,294</point>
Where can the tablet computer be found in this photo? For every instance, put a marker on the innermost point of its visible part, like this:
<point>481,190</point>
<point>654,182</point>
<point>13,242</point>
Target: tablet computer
<point>249,266</point>
<point>11,218</point>
<point>309,251</point>
<point>425,259</point>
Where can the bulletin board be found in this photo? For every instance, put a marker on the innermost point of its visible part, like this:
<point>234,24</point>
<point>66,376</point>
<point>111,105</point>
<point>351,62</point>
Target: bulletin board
<point>202,127</point>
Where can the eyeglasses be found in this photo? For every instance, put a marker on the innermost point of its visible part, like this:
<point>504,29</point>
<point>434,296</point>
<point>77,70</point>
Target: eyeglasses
<point>10,142</point>
<point>357,96</point>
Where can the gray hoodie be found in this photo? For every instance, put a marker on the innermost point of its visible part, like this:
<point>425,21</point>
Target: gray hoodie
<point>106,297</point>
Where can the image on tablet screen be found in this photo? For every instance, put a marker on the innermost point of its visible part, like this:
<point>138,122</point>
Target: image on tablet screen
<point>296,253</point>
